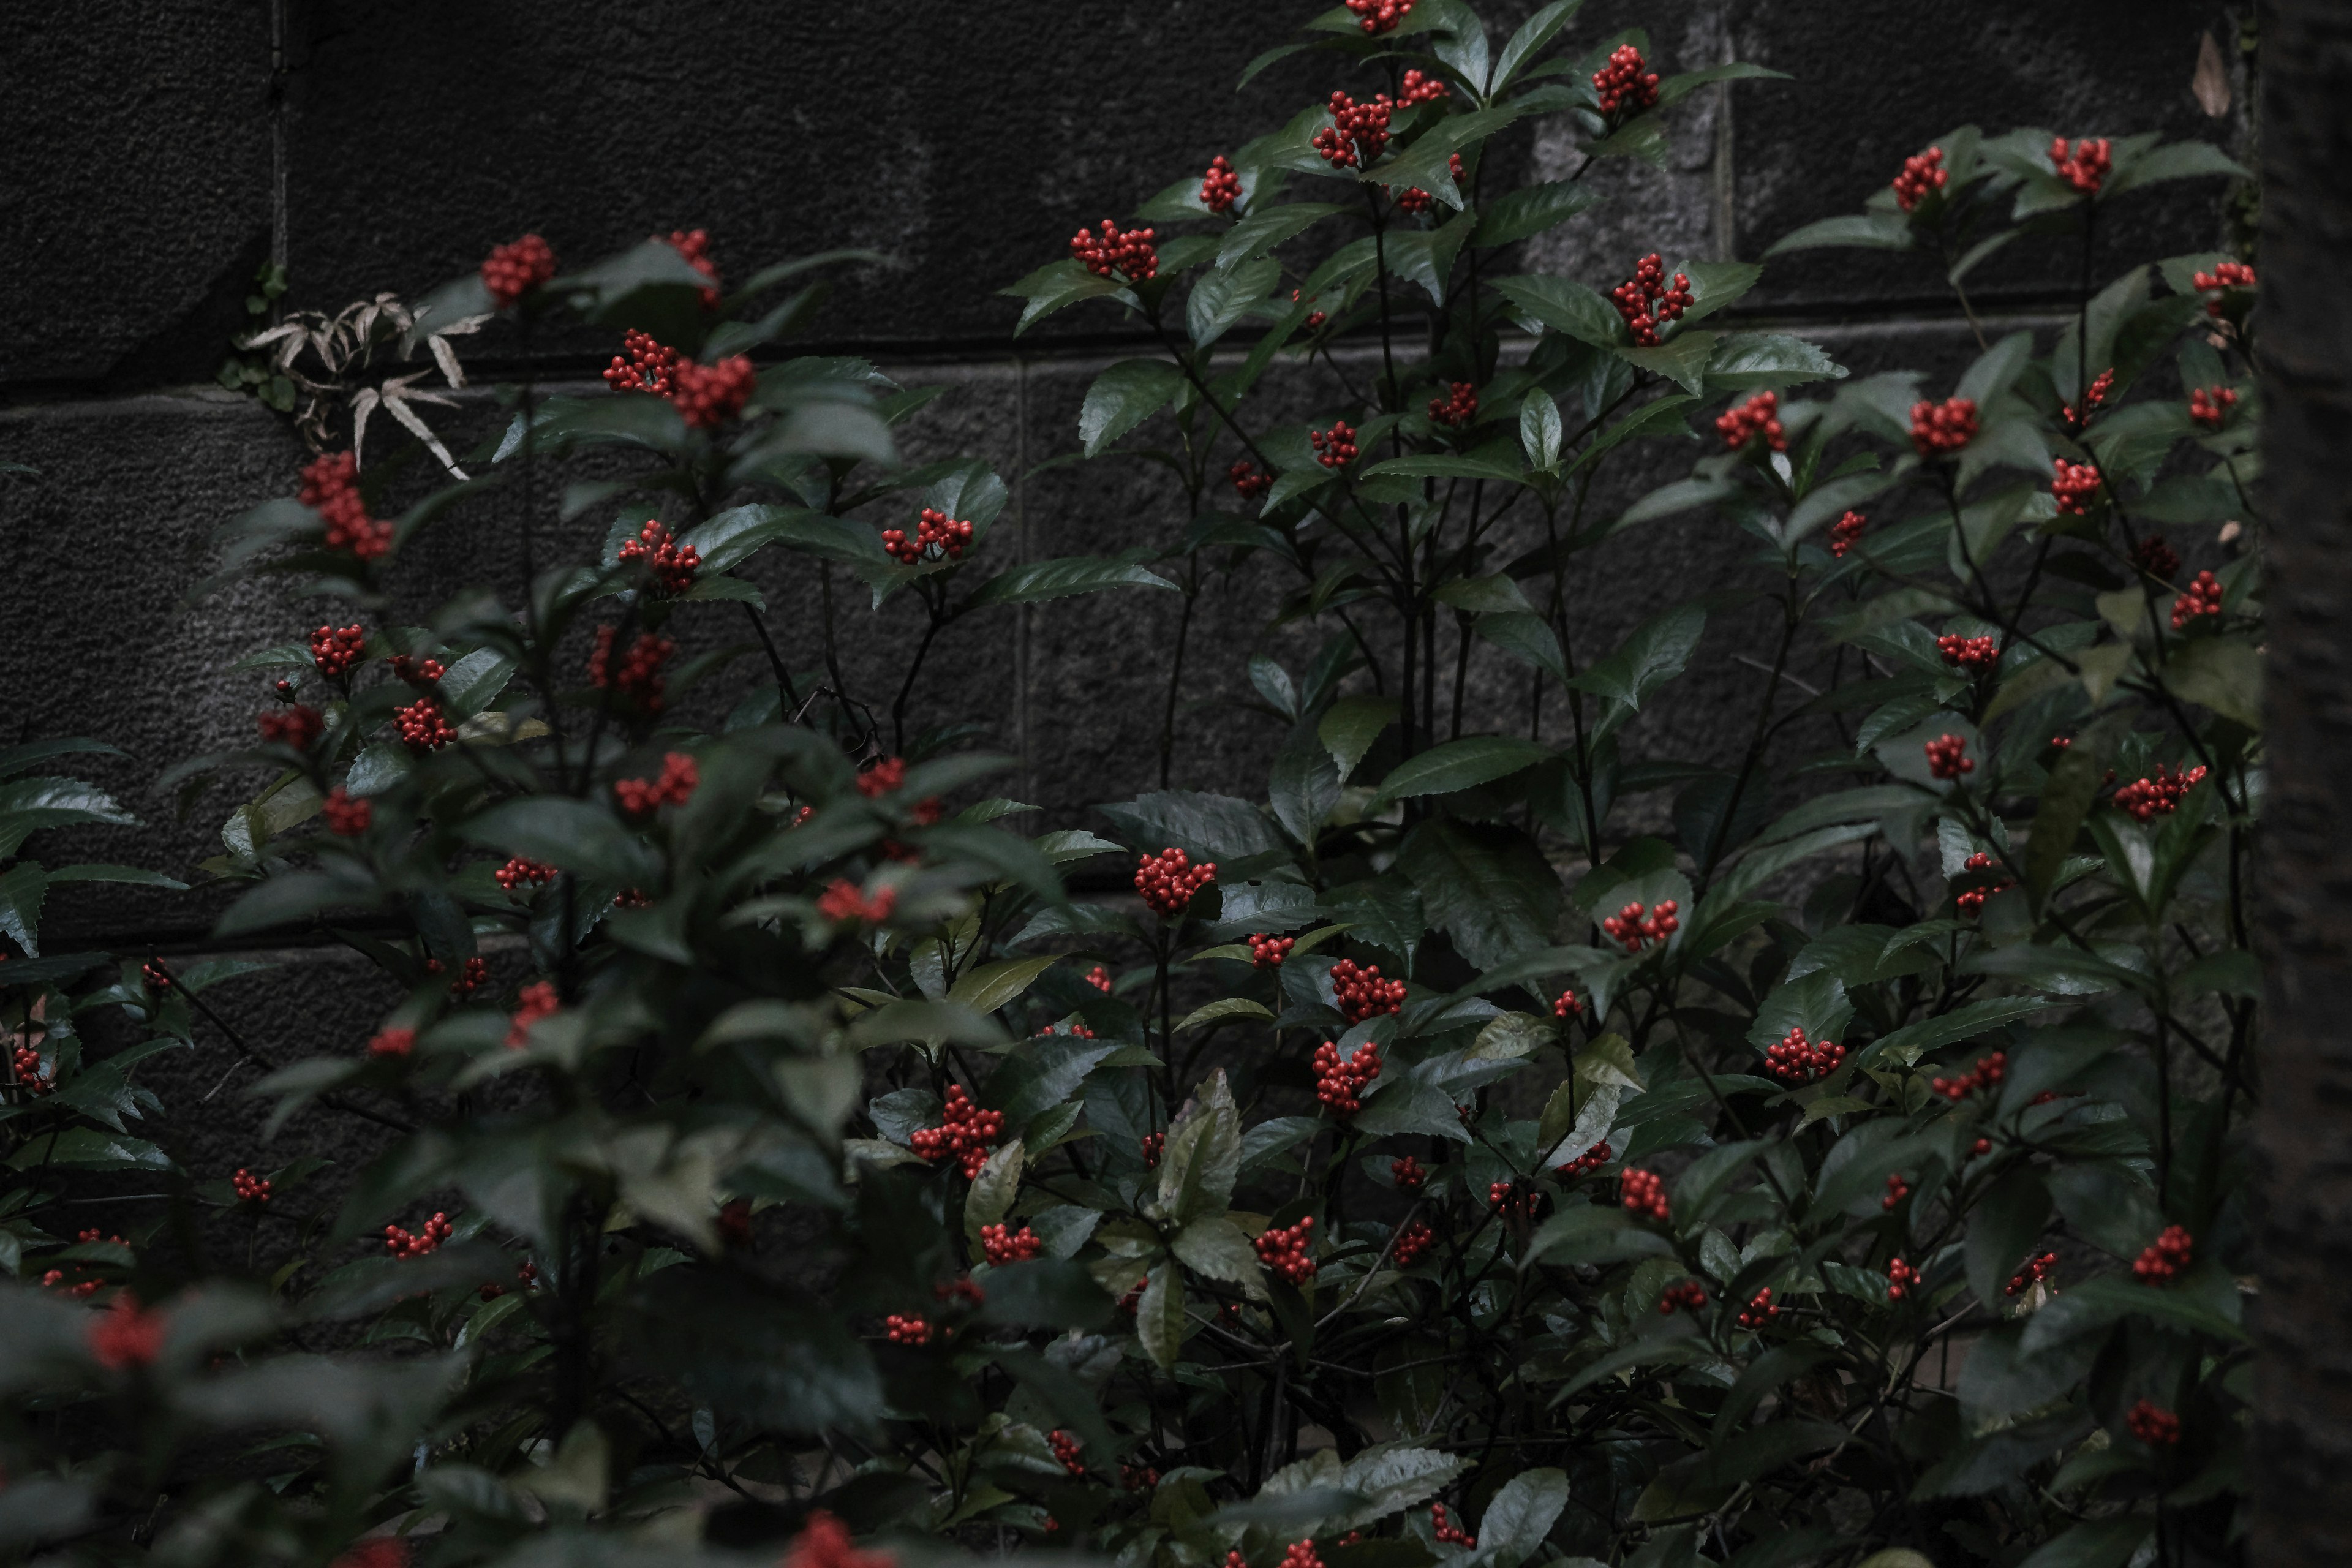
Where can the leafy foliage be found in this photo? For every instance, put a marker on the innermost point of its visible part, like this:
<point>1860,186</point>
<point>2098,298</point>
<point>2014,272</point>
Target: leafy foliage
<point>1837,1158</point>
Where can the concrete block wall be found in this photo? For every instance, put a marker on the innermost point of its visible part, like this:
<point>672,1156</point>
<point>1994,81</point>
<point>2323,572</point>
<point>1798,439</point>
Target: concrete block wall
<point>151,157</point>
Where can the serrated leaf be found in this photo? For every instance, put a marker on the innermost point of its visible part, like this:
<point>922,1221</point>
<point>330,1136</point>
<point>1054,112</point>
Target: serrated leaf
<point>1123,397</point>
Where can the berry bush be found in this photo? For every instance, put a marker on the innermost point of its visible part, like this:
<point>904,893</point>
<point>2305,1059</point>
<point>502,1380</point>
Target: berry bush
<point>1497,1140</point>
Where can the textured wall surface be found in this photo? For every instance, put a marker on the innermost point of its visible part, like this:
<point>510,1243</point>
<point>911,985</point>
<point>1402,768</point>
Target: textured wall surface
<point>150,157</point>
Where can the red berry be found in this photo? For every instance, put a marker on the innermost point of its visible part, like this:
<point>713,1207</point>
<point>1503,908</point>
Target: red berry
<point>707,396</point>
<point>2075,484</point>
<point>400,1243</point>
<point>1220,188</point>
<point>298,727</point>
<point>1358,134</point>
<point>1938,428</point>
<point>1456,410</point>
<point>676,786</point>
<point>1634,928</point>
<point>1759,1310</point>
<point>1901,1281</point>
<point>1757,418</point>
<point>1623,86</point>
<point>1004,1244</point>
<point>2202,597</point>
<point>2216,284</point>
<point>1645,1194</point>
<point>2153,1425</point>
<point>2083,165</point>
<point>345,817</point>
<point>1687,1296</point>
<point>1406,1172</point>
<point>964,1134</point>
<point>1283,1248</point>
<point>1337,447</point>
<point>1169,881</point>
<point>1647,303</point>
<point>672,566</point>
<point>331,486</point>
<point>1947,758</point>
<point>1114,251</point>
<point>1845,531</point>
<point>336,651</point>
<point>516,268</point>
<point>1380,17</point>
<point>695,247</point>
<point>1922,173</point>
<point>1799,1060</point>
<point>1362,994</point>
<point>843,902</point>
<point>1340,1084</point>
<point>2165,1258</point>
<point>643,364</point>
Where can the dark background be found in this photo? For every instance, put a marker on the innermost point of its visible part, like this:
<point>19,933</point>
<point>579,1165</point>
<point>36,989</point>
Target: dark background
<point>151,157</point>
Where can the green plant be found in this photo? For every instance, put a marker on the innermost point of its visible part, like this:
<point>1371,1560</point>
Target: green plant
<point>1449,1145</point>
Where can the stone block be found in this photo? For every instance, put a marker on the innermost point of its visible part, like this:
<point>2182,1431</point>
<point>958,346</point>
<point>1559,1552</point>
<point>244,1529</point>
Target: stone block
<point>135,196</point>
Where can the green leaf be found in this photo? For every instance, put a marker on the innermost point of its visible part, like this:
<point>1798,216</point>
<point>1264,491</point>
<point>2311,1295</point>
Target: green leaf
<point>1057,285</point>
<point>2224,674</point>
<point>1215,1247</point>
<point>1966,1022</point>
<point>1683,362</point>
<point>1539,429</point>
<point>2097,1543</point>
<point>2075,785</point>
<point>1206,827</point>
<point>1532,210</point>
<point>1871,231</point>
<point>2004,1229</point>
<point>1202,1159</point>
<point>27,805</point>
<point>571,835</point>
<point>22,890</point>
<point>1528,637</point>
<point>1351,726</point>
<point>1160,1315</point>
<point>1221,299</point>
<point>89,1149</point>
<point>1657,652</point>
<point>1044,1293</point>
<point>1063,578</point>
<point>1488,885</point>
<point>1426,257</point>
<point>1444,466</point>
<point>15,760</point>
<point>1262,231</point>
<point>2180,161</point>
<point>991,1193</point>
<point>1565,307</point>
<point>1744,361</point>
<point>1223,1008</point>
<point>1520,1515</point>
<point>1459,766</point>
<point>1534,34</point>
<point>992,985</point>
<point>1124,396</point>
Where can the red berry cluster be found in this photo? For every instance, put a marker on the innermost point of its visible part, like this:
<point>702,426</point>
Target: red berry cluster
<point>1758,417</point>
<point>1408,1174</point>
<point>1073,1031</point>
<point>1337,447</point>
<point>1154,1142</point>
<point>127,1336</point>
<point>1941,427</point>
<point>2202,597</point>
<point>1645,1194</point>
<point>297,726</point>
<point>1302,1553</point>
<point>1314,319</point>
<point>1901,1281</point>
<point>538,1000</point>
<point>1968,653</point>
<point>643,364</point>
<point>1567,1004</point>
<point>1634,928</point>
<point>1514,1199</point>
<point>1357,133</point>
<point>472,975</point>
<point>2154,1424</point>
<point>400,1243</point>
<point>1268,951</point>
<point>1411,1244</point>
<point>1379,15</point>
<point>1004,1244</point>
<point>1418,87</point>
<point>911,1329</point>
<point>2075,484</point>
<point>937,537</point>
<point>695,247</point>
<point>2225,276</point>
<point>1169,881</point>
<point>672,564</point>
<point>420,673</point>
<point>2159,796</point>
<point>2036,1270</point>
<point>250,1188</point>
<point>963,1134</point>
<point>1283,1248</point>
<point>1969,903</point>
<point>1591,1160</point>
<point>2166,1259</point>
<point>843,902</point>
<point>961,1290</point>
<point>27,1062</point>
<point>1066,1448</point>
<point>1898,1189</point>
<point>637,678</point>
<point>331,486</point>
<point>346,817</point>
<point>1099,978</point>
<point>1646,303</point>
<point>1845,531</point>
<point>1456,410</point>
<point>518,872</point>
<point>707,396</point>
<point>1220,188</point>
<point>336,650</point>
<point>2083,165</point>
<point>1340,1084</point>
<point>514,270</point>
<point>1688,1296</point>
<point>1116,250</point>
<point>885,776</point>
<point>1623,85</point>
<point>527,1276</point>
<point>1136,1477</point>
<point>423,726</point>
<point>1248,483</point>
<point>2210,405</point>
<point>1415,201</point>
<point>1759,1312</point>
<point>1797,1059</point>
<point>55,1280</point>
<point>642,797</point>
<point>1947,758</point>
<point>1447,1530</point>
<point>1922,173</point>
<point>1987,1074</point>
<point>397,1043</point>
<point>2092,400</point>
<point>1362,994</point>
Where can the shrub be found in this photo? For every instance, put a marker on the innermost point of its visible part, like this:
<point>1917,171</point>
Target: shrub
<point>1454,1153</point>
